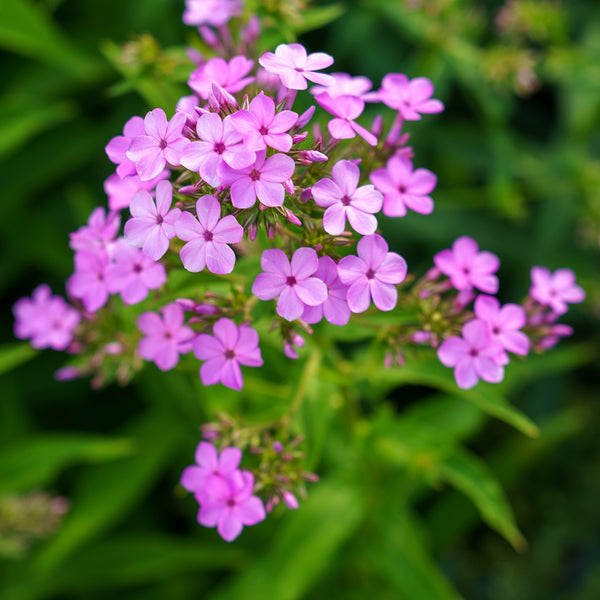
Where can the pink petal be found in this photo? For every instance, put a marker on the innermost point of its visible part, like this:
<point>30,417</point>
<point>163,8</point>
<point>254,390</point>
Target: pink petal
<point>422,182</point>
<point>359,296</point>
<point>229,460</point>
<point>346,175</point>
<point>326,192</point>
<point>289,306</point>
<point>192,478</point>
<point>208,210</point>
<point>267,286</point>
<point>372,249</point>
<point>304,263</point>
<point>207,347</point>
<point>384,295</point>
<point>206,456</point>
<point>452,350</point>
<point>252,511</point>
<point>187,227</point>
<point>270,194</point>
<point>465,374</point>
<point>226,331</point>
<point>229,527</point>
<point>193,255</point>
<point>393,269</point>
<point>334,220</point>
<point>228,230</point>
<point>243,193</point>
<point>361,222</point>
<point>311,291</point>
<point>231,375</point>
<point>351,268</point>
<point>488,370</point>
<point>220,258</point>
<point>275,261</point>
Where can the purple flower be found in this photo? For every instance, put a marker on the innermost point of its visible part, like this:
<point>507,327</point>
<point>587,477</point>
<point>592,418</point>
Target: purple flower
<point>208,237</point>
<point>404,188</point>
<point>224,351</point>
<point>162,143</point>
<point>467,267</point>
<point>99,233</point>
<point>262,127</point>
<point>294,67</point>
<point>88,282</point>
<point>133,273</point>
<point>262,180</point>
<point>231,76</point>
<point>555,289</point>
<point>411,98</point>
<point>219,143</point>
<point>46,320</point>
<point>345,109</point>
<point>166,337</point>
<point>290,282</point>
<point>230,512</point>
<point>152,225</point>
<point>503,323</point>
<point>343,199</point>
<point>335,308</point>
<point>209,477</point>
<point>210,12</point>
<point>474,356</point>
<point>374,273</point>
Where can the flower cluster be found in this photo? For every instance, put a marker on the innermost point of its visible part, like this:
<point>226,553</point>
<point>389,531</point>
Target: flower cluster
<point>236,173</point>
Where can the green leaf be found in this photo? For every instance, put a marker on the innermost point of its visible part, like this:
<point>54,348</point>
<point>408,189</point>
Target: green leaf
<point>306,543</point>
<point>472,477</point>
<point>313,18</point>
<point>14,355</point>
<point>36,460</point>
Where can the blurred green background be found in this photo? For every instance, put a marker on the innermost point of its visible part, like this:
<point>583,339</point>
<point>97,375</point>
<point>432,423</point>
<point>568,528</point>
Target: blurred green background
<point>406,462</point>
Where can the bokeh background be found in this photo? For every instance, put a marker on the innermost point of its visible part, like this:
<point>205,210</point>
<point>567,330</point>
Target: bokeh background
<point>517,154</point>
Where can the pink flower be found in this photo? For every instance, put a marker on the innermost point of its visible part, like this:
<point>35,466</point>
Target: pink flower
<point>209,477</point>
<point>474,356</point>
<point>166,337</point>
<point>133,274</point>
<point>343,199</point>
<point>290,282</point>
<point>503,323</point>
<point>88,282</point>
<point>555,289</point>
<point>231,76</point>
<point>120,190</point>
<point>345,109</point>
<point>294,67</point>
<point>152,225</point>
<point>225,351</point>
<point>229,513</point>
<point>411,98</point>
<point>374,273</point>
<point>210,12</point>
<point>47,320</point>
<point>335,308</point>
<point>162,143</point>
<point>467,267</point>
<point>262,180</point>
<point>99,233</point>
<point>116,149</point>
<point>208,237</point>
<point>262,127</point>
<point>219,143</point>
<point>344,85</point>
<point>404,188</point>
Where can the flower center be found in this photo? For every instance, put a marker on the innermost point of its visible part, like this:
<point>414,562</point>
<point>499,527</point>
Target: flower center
<point>402,189</point>
<point>137,268</point>
<point>208,236</point>
<point>229,354</point>
<point>255,175</point>
<point>346,200</point>
<point>496,330</point>
<point>231,502</point>
<point>219,147</point>
<point>162,144</point>
<point>473,352</point>
<point>370,274</point>
<point>291,280</point>
<point>263,130</point>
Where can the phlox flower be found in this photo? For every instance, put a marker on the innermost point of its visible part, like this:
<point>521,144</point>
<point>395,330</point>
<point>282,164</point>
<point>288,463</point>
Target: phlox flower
<point>166,336</point>
<point>207,237</point>
<point>208,478</point>
<point>88,283</point>
<point>262,127</point>
<point>230,512</point>
<point>229,347</point>
<point>404,188</point>
<point>410,97</point>
<point>46,320</point>
<point>294,67</point>
<point>99,233</point>
<point>219,143</point>
<point>335,308</point>
<point>342,198</point>
<point>116,149</point>
<point>292,282</point>
<point>210,12</point>
<point>345,109</point>
<point>262,180</point>
<point>344,85</point>
<point>152,224</point>
<point>231,76</point>
<point>374,273</point>
<point>133,274</point>
<point>474,356</point>
<point>162,143</point>
<point>120,190</point>
<point>555,289</point>
<point>467,267</point>
<point>503,323</point>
